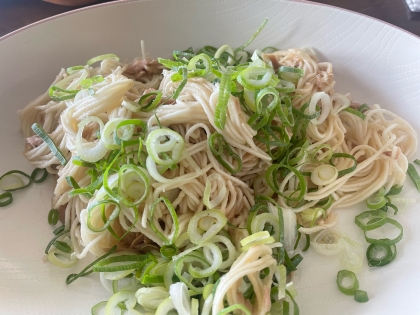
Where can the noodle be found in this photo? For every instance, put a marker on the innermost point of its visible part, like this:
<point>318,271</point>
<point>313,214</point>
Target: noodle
<point>380,144</point>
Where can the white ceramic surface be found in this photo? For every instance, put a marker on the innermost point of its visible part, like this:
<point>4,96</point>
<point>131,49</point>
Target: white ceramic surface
<point>374,61</point>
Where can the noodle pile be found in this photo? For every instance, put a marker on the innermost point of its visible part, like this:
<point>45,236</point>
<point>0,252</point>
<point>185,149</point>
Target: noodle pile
<point>381,143</point>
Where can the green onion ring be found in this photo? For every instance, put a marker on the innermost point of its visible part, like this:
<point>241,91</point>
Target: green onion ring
<point>377,214</point>
<point>374,249</point>
<point>6,199</point>
<point>349,290</point>
<point>53,217</point>
<point>347,156</point>
<point>361,296</point>
<point>43,177</point>
<point>385,241</point>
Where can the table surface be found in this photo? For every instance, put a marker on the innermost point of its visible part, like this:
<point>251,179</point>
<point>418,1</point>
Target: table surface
<point>15,14</point>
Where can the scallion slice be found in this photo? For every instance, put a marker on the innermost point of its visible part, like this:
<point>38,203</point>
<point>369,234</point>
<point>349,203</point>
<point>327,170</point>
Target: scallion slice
<point>365,222</point>
<point>46,138</point>
<point>233,307</point>
<point>148,103</point>
<point>171,238</point>
<point>6,199</point>
<point>361,296</point>
<point>352,287</point>
<point>242,47</point>
<point>412,173</point>
<point>385,241</point>
<point>87,271</point>
<point>58,94</point>
<point>53,217</point>
<point>221,109</point>
<point>219,147</point>
<point>34,175</point>
<point>290,74</point>
<point>355,112</point>
<point>346,156</point>
<point>11,182</point>
<point>379,255</point>
<point>102,57</point>
<point>216,219</point>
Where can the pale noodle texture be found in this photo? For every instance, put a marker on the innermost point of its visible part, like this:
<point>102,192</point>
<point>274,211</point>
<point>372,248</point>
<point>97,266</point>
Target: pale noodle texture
<point>381,143</point>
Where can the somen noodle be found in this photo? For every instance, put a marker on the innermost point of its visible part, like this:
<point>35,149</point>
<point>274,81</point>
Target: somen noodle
<point>153,172</point>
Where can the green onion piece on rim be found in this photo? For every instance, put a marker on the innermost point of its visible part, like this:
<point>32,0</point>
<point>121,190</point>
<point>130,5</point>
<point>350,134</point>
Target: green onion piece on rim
<point>352,287</point>
<point>53,217</point>
<point>6,199</point>
<point>72,277</point>
<point>365,222</point>
<point>385,241</point>
<point>43,177</point>
<point>380,255</point>
<point>11,182</point>
<point>361,296</point>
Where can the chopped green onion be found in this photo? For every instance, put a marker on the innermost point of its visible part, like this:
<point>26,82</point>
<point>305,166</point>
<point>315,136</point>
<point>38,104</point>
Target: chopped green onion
<point>64,247</point>
<point>171,64</point>
<point>324,174</point>
<point>72,277</point>
<point>308,242</point>
<point>220,112</point>
<point>364,107</point>
<point>214,221</point>
<point>255,78</point>
<point>386,241</point>
<point>148,103</point>
<point>242,47</point>
<point>395,190</point>
<point>352,287</point>
<point>34,175</point>
<point>54,149</point>
<point>290,74</point>
<point>218,146</point>
<point>10,182</point>
<point>174,234</point>
<point>59,229</point>
<point>166,141</point>
<point>376,201</point>
<point>272,181</point>
<point>204,61</point>
<point>258,238</point>
<point>167,251</point>
<point>234,307</point>
<point>68,261</point>
<point>346,156</point>
<point>74,68</point>
<point>365,222</point>
<point>53,217</point>
<point>355,112</point>
<point>58,94</point>
<point>97,220</point>
<point>184,72</point>
<point>51,243</point>
<point>412,173</point>
<point>380,255</point>
<point>77,160</point>
<point>102,57</point>
<point>361,296</point>
<point>128,262</point>
<point>6,199</point>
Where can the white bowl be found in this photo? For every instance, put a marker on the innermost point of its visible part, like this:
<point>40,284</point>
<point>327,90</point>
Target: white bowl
<point>376,62</point>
